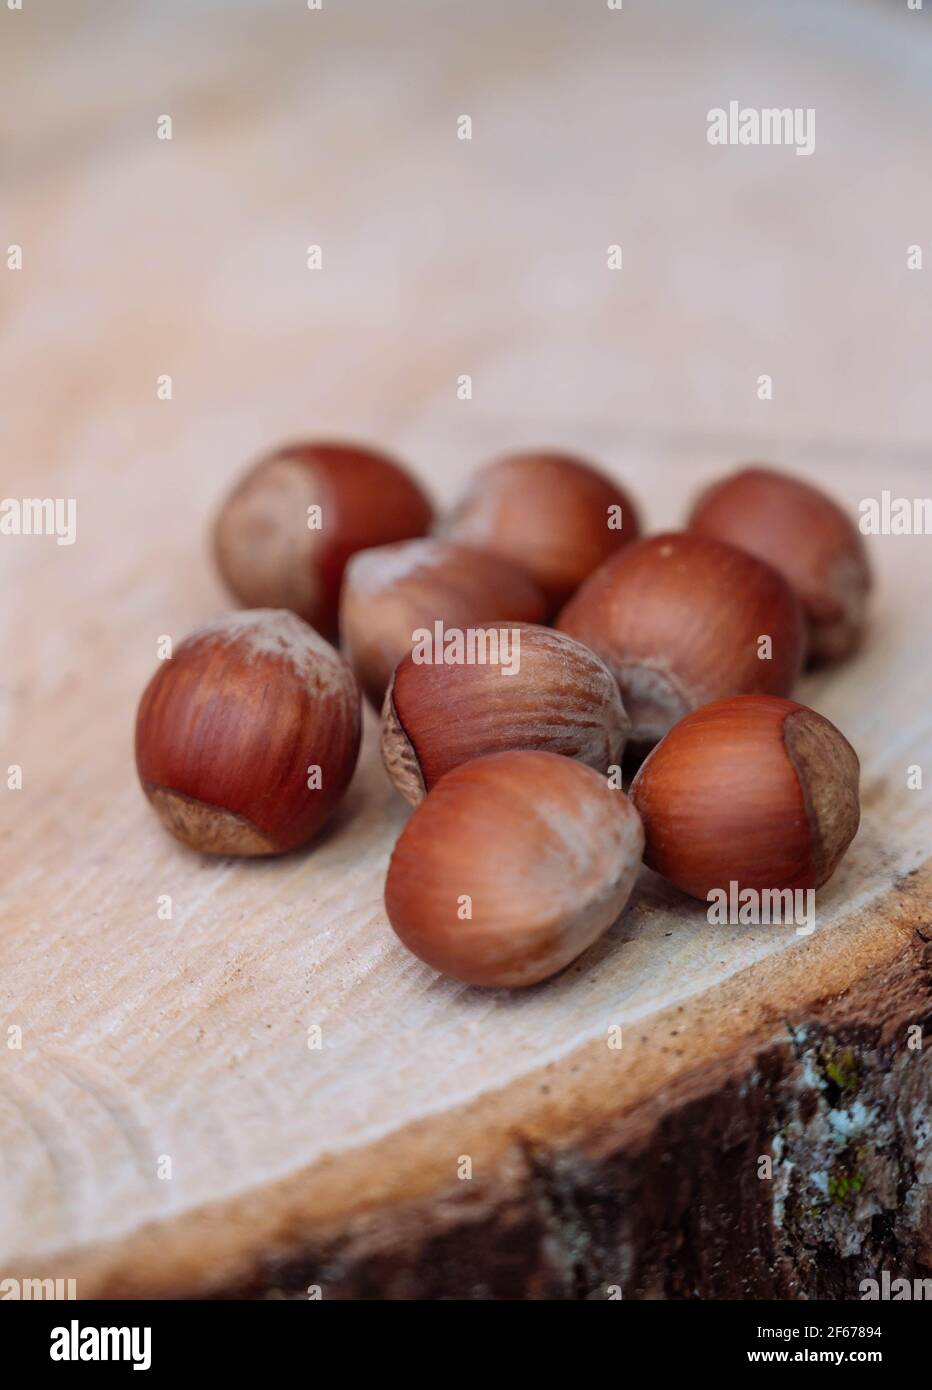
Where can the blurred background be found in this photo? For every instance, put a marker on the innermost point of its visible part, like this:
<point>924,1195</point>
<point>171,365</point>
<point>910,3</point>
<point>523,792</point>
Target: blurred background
<point>440,256</point>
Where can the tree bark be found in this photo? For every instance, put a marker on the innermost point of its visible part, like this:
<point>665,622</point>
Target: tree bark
<point>672,1200</point>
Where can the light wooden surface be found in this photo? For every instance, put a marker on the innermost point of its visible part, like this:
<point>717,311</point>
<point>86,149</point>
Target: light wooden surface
<point>188,1039</point>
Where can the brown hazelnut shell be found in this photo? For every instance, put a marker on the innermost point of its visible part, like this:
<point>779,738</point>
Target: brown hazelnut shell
<point>547,512</point>
<point>677,618</point>
<point>561,699</point>
<point>270,557</point>
<point>543,850</point>
<point>228,727</point>
<point>391,591</point>
<point>754,790</point>
<point>807,537</point>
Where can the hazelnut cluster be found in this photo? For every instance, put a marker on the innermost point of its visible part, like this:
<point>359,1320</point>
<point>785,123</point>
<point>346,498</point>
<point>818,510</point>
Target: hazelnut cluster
<point>679,649</point>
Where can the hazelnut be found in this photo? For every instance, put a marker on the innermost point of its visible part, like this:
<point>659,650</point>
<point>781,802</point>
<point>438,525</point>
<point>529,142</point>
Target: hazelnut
<point>512,866</point>
<point>753,790</point>
<point>679,620</point>
<point>247,738</point>
<point>550,693</point>
<point>392,591</point>
<point>804,535</point>
<point>555,516</point>
<point>286,531</point>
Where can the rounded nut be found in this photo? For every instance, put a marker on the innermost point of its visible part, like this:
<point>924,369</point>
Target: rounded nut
<point>247,738</point>
<point>284,534</point>
<point>555,516</point>
<point>680,620</point>
<point>544,691</point>
<point>807,537</point>
<point>755,791</point>
<point>392,592</point>
<point>512,866</point>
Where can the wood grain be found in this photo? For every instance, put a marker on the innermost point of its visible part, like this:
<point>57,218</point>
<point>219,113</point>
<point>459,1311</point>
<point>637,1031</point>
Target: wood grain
<point>188,1039</point>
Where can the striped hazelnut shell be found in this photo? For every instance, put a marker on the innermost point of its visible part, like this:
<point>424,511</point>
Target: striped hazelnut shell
<point>752,790</point>
<point>511,867</point>
<point>678,619</point>
<point>544,691</point>
<point>556,516</point>
<point>807,537</point>
<point>275,551</point>
<point>232,729</point>
<point>391,592</point>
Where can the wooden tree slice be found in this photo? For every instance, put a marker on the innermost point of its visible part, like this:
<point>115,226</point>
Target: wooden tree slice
<point>187,1046</point>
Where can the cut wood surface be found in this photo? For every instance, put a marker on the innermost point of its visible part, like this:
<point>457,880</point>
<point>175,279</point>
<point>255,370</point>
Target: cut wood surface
<point>188,1039</point>
<point>165,1126</point>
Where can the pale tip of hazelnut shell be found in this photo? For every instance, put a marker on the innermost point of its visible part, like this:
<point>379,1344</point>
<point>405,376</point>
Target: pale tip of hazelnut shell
<point>401,761</point>
<point>659,699</point>
<point>828,772</point>
<point>262,543</point>
<point>207,829</point>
